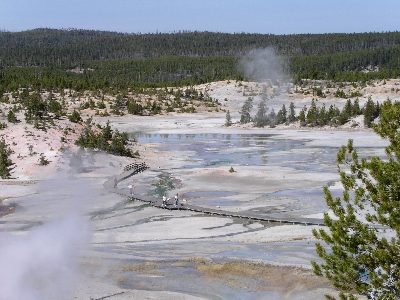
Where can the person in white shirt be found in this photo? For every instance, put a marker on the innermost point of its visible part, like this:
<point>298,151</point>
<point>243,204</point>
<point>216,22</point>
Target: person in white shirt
<point>176,200</point>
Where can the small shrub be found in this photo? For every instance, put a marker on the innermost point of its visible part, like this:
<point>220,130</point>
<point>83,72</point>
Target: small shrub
<point>30,148</point>
<point>101,105</point>
<point>43,161</point>
<point>11,118</point>
<point>339,94</point>
<point>75,117</point>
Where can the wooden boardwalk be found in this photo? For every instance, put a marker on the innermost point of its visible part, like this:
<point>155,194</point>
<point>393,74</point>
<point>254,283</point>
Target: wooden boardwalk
<point>135,168</point>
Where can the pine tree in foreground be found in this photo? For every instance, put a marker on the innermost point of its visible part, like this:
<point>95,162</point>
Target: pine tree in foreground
<point>361,252</point>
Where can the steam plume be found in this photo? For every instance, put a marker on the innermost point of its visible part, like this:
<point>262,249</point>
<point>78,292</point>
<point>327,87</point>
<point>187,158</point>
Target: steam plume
<point>42,263</point>
<point>263,65</point>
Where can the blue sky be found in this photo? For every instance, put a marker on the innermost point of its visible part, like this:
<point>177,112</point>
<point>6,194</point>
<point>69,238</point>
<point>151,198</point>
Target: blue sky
<point>254,16</point>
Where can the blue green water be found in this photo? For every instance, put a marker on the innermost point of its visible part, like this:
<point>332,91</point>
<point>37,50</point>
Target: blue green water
<point>243,149</point>
<point>231,150</point>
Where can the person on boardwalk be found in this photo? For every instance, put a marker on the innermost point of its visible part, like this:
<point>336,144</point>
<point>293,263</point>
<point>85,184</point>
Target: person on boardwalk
<point>115,182</point>
<point>176,200</point>
<point>164,200</point>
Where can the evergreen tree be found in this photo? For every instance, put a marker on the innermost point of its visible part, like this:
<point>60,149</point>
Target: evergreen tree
<point>333,114</point>
<point>118,61</point>
<point>356,108</point>
<point>292,113</point>
<point>228,121</point>
<point>312,114</point>
<point>281,116</point>
<point>377,110</point>
<point>369,112</point>
<point>55,107</point>
<point>340,94</point>
<point>261,119</point>
<point>347,112</point>
<point>75,117</point>
<point>118,143</point>
<point>88,138</point>
<point>11,117</point>
<point>36,108</point>
<point>107,131</point>
<point>134,107</point>
<point>245,112</point>
<point>106,140</point>
<point>363,240</point>
<point>322,116</point>
<point>272,117</point>
<point>43,161</point>
<point>5,160</point>
<point>302,116</point>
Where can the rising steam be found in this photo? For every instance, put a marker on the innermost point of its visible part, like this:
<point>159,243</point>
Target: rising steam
<point>42,263</point>
<point>263,65</point>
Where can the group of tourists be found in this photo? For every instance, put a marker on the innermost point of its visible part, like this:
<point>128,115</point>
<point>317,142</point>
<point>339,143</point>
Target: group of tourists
<point>165,200</point>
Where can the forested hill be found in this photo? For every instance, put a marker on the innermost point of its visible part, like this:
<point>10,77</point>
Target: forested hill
<point>68,48</point>
<point>44,58</point>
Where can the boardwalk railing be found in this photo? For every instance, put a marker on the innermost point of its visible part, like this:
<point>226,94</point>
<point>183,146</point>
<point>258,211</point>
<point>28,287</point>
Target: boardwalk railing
<point>129,170</point>
<point>136,167</point>
<point>132,169</point>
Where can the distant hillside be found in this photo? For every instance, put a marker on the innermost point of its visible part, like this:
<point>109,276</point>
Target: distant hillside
<point>117,60</point>
<point>70,47</point>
